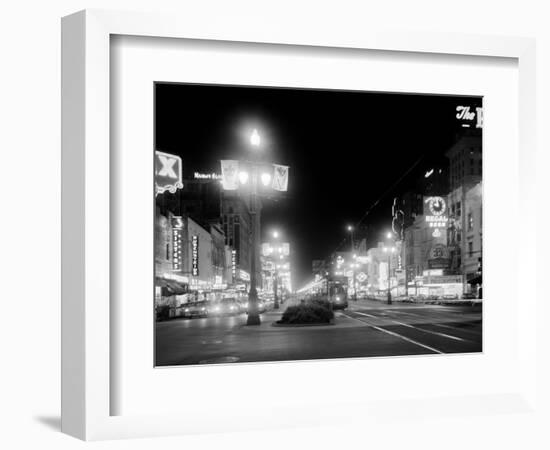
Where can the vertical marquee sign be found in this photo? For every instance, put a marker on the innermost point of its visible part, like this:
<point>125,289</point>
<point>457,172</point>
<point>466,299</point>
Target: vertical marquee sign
<point>168,170</point>
<point>177,229</point>
<point>234,264</point>
<point>195,256</point>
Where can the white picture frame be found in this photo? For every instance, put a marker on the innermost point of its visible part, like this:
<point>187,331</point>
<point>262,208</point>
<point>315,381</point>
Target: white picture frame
<point>86,219</point>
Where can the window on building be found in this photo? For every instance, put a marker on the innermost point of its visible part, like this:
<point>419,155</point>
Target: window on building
<point>167,251</point>
<point>470,221</point>
<point>470,249</point>
<point>458,236</point>
<point>458,209</point>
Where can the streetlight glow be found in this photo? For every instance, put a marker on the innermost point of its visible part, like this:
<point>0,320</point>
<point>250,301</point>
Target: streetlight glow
<point>389,235</point>
<point>243,177</point>
<point>255,138</point>
<point>350,228</point>
<point>266,179</point>
<point>275,234</point>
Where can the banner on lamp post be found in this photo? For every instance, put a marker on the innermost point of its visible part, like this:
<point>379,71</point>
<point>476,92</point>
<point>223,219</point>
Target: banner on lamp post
<point>230,174</point>
<point>280,177</point>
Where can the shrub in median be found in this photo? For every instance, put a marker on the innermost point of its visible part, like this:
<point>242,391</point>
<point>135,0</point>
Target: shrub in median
<point>314,311</point>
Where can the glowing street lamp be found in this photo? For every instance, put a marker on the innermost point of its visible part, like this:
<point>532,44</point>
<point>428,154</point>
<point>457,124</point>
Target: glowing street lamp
<point>266,179</point>
<point>255,138</point>
<point>243,177</point>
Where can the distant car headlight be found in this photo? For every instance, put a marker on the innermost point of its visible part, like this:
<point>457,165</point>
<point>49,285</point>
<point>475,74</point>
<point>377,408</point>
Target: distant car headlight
<point>337,299</point>
<point>232,308</point>
<point>217,308</point>
<point>186,310</point>
<point>203,309</point>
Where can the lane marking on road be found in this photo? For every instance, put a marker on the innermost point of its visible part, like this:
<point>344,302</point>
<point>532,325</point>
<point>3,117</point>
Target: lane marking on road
<point>392,333</point>
<point>365,314</point>
<point>431,332</point>
<point>412,341</point>
<point>442,325</point>
<point>418,328</point>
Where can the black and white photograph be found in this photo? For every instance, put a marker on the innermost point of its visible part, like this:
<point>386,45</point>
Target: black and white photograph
<point>305,224</point>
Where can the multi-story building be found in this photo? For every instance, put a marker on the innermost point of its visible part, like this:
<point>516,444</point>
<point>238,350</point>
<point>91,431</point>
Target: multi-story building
<point>237,228</point>
<point>464,203</point>
<point>473,235</point>
<point>227,212</point>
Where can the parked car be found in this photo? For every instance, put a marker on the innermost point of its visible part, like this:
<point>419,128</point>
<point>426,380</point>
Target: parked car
<point>469,296</point>
<point>195,309</point>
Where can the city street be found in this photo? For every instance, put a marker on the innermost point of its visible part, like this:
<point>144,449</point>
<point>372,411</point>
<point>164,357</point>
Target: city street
<point>255,204</point>
<point>366,328</point>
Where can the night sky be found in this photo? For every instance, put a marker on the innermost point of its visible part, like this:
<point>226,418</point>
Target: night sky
<point>346,150</point>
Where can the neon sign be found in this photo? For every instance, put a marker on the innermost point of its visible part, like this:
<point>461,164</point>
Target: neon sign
<point>466,115</point>
<point>207,176</point>
<point>234,263</point>
<point>168,170</point>
<point>437,219</point>
<point>195,256</point>
<point>177,226</point>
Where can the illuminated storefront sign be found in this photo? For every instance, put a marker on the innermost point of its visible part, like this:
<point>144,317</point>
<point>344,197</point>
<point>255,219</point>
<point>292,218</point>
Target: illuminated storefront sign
<point>168,170</point>
<point>195,256</point>
<point>469,117</point>
<point>436,218</point>
<point>361,277</point>
<point>177,227</point>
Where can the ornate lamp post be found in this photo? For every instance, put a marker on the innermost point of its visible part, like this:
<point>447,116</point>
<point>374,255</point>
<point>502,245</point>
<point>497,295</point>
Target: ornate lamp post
<point>253,312</point>
<point>252,173</point>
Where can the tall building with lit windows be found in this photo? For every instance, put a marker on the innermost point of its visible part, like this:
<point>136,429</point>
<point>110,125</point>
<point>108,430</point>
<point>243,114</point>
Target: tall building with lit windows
<point>465,205</point>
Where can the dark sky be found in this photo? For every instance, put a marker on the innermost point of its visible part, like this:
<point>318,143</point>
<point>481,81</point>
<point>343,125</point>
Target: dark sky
<point>345,150</point>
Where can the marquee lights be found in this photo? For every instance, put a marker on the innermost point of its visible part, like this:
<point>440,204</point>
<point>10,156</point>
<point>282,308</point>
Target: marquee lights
<point>177,226</point>
<point>195,256</point>
<point>234,263</point>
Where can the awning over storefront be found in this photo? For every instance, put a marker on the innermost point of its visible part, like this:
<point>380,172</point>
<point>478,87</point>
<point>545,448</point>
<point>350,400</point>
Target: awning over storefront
<point>171,287</point>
